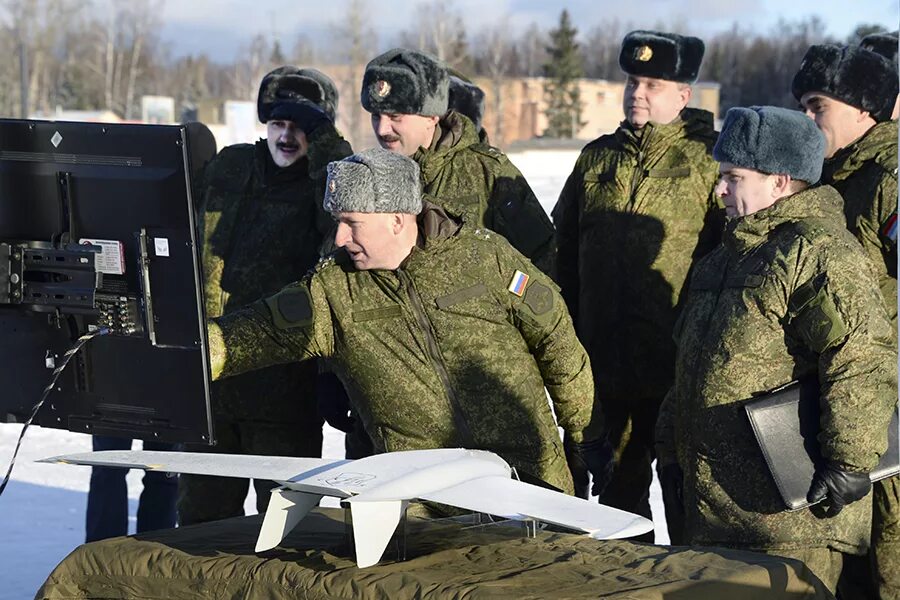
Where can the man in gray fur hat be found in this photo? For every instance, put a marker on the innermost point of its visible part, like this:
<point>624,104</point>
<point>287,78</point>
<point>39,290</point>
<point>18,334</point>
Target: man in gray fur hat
<point>787,296</point>
<point>851,94</point>
<point>635,212</point>
<point>262,226</point>
<point>443,334</point>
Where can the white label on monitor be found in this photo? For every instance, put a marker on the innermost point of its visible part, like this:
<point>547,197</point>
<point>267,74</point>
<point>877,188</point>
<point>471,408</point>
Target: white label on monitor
<point>111,259</point>
<point>161,245</point>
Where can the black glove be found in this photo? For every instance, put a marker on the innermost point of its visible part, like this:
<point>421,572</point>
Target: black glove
<point>306,115</point>
<point>599,457</point>
<point>841,487</point>
<point>333,402</point>
<point>671,480</point>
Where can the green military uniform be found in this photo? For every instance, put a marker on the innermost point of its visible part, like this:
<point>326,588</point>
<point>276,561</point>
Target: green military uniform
<point>262,227</point>
<point>786,296</point>
<point>473,179</point>
<point>635,212</point>
<point>438,353</point>
<point>865,174</point>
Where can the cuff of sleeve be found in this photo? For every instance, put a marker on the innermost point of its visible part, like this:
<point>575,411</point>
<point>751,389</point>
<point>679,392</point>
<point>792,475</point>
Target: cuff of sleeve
<point>216,348</point>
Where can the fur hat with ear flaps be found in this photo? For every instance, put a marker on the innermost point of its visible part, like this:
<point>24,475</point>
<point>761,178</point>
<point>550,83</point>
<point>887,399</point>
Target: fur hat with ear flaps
<point>290,85</point>
<point>772,140</point>
<point>661,56</point>
<point>407,82</point>
<point>884,44</point>
<point>858,77</point>
<point>374,181</point>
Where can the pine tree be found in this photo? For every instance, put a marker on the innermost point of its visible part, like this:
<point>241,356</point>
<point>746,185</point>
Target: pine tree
<point>561,89</point>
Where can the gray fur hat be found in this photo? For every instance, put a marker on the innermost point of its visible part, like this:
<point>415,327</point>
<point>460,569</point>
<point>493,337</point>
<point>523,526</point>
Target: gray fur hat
<point>662,55</point>
<point>286,85</point>
<point>374,181</point>
<point>408,82</point>
<point>855,76</point>
<point>467,99</point>
<point>884,44</point>
<point>772,140</point>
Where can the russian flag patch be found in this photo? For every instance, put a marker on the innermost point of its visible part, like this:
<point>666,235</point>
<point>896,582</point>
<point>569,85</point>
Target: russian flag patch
<point>518,283</point>
<point>889,229</point>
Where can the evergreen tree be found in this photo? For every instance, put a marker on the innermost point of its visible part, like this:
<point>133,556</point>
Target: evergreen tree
<point>561,89</point>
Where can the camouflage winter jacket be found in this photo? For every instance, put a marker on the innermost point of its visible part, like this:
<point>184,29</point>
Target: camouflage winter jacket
<point>637,209</point>
<point>865,173</point>
<point>474,179</point>
<point>788,295</point>
<point>438,353</point>
<point>261,227</point>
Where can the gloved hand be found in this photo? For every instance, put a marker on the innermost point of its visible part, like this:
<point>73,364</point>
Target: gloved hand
<point>599,457</point>
<point>839,486</point>
<point>307,116</point>
<point>333,402</point>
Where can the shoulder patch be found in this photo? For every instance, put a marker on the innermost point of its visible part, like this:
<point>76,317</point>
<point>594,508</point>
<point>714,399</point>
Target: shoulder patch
<point>291,307</point>
<point>539,298</point>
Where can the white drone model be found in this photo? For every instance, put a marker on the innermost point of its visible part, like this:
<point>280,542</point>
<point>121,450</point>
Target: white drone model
<point>379,488</point>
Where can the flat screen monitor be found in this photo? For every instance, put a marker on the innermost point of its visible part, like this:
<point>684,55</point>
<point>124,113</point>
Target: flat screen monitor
<point>97,231</point>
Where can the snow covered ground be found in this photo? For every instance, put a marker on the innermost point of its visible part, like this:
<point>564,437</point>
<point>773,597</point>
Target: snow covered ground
<point>42,509</point>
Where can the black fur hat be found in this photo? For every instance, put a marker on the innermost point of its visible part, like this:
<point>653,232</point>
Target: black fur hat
<point>468,99</point>
<point>661,56</point>
<point>884,44</point>
<point>408,82</point>
<point>290,85</point>
<point>772,140</point>
<point>854,76</point>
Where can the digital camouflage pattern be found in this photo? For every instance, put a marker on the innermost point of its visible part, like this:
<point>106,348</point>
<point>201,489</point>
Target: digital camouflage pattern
<point>787,295</point>
<point>637,209</point>
<point>438,353</point>
<point>261,228</point>
<point>473,179</point>
<point>865,174</point>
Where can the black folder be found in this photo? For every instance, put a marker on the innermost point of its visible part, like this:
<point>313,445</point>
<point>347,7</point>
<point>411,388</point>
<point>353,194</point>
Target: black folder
<point>786,423</point>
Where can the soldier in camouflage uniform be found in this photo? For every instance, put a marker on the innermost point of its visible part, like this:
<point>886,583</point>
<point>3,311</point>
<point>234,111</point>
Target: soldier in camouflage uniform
<point>636,210</point>
<point>850,94</point>
<point>262,225</point>
<point>787,295</point>
<point>443,334</point>
<point>408,94</point>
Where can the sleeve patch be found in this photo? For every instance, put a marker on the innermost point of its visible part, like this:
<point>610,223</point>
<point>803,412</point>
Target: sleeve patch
<point>291,307</point>
<point>889,228</point>
<point>539,298</point>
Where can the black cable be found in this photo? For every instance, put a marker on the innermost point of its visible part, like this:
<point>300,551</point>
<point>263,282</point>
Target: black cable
<point>79,343</point>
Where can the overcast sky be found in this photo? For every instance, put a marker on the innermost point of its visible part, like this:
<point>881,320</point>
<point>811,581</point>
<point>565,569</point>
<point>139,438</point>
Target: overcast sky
<point>221,27</point>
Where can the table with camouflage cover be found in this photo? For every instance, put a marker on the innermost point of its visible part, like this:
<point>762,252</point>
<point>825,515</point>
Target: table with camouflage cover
<point>445,559</point>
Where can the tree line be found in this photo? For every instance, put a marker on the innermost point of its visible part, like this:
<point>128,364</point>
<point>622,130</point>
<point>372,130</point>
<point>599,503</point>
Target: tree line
<point>106,54</point>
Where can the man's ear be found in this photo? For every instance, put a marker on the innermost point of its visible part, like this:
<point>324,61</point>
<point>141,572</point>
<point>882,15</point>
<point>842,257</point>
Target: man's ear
<point>686,93</point>
<point>396,223</point>
<point>781,185</point>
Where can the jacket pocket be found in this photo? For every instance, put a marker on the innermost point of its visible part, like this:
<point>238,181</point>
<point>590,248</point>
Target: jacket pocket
<point>461,295</point>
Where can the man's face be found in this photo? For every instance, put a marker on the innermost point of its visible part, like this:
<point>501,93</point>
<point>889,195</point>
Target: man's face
<point>659,100</point>
<point>840,123</point>
<point>369,238</point>
<point>744,191</point>
<point>403,134</point>
<point>287,142</point>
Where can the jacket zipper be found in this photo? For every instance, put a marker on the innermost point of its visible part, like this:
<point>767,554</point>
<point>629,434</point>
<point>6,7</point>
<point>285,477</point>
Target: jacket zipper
<point>437,361</point>
<point>638,176</point>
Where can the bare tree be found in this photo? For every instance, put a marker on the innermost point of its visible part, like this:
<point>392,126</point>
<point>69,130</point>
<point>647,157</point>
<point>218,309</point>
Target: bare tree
<point>495,61</point>
<point>439,30</point>
<point>355,45</point>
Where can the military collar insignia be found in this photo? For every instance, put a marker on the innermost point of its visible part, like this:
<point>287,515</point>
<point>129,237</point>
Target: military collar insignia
<point>381,88</point>
<point>518,283</point>
<point>643,53</point>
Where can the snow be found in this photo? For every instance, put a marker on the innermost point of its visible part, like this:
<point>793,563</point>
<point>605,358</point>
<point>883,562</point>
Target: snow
<point>42,509</point>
